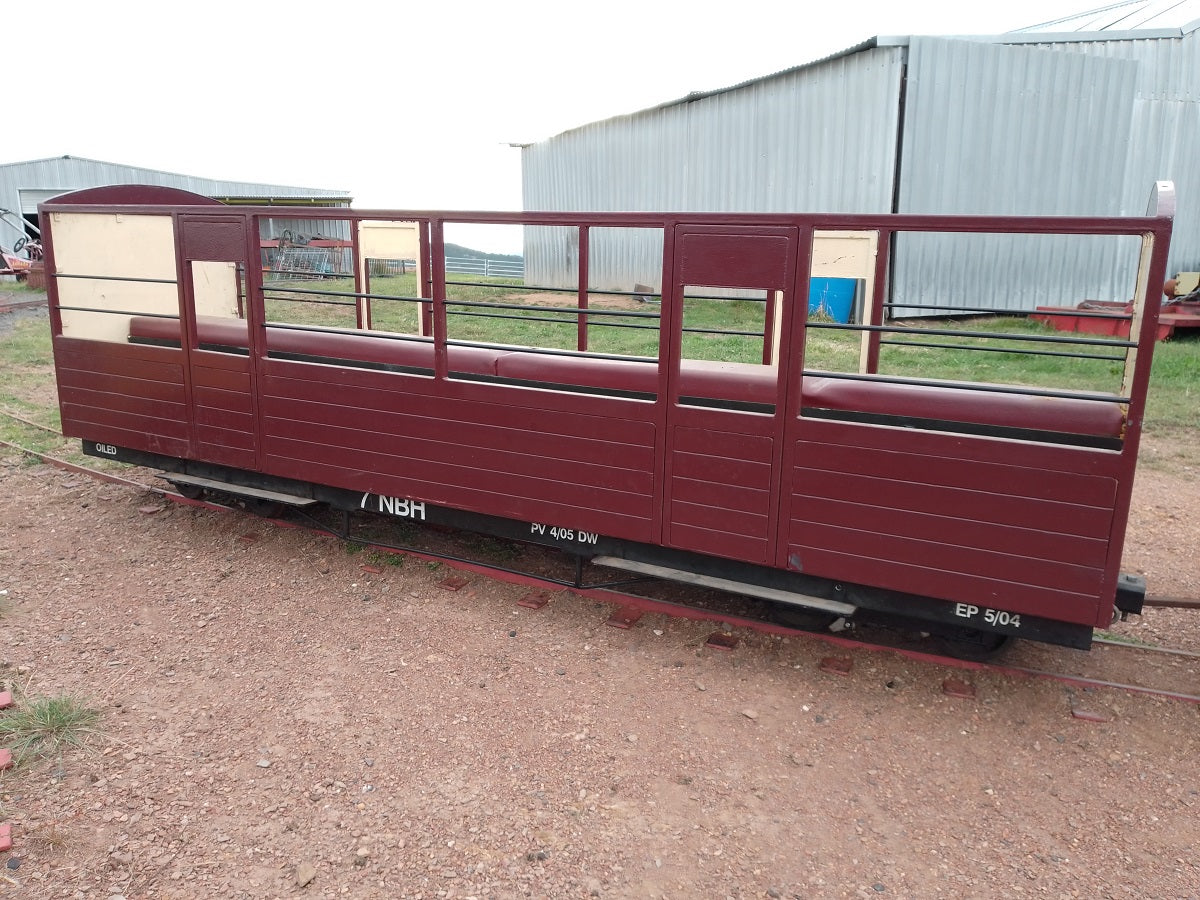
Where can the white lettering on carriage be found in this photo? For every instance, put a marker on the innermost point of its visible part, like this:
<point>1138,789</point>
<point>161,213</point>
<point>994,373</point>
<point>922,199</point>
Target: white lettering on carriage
<point>990,616</point>
<point>564,534</point>
<point>401,507</point>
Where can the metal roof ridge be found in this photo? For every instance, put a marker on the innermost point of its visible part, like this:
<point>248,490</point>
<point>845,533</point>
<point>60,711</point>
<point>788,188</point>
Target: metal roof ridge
<point>1070,37</point>
<point>330,192</point>
<point>693,96</point>
<point>1140,14</point>
<point>1009,37</point>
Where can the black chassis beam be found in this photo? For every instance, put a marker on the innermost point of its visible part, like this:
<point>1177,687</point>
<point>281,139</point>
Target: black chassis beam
<point>564,536</point>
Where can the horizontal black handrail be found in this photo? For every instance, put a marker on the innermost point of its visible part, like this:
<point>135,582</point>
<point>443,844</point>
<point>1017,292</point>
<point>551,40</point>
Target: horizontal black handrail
<point>351,332</point>
<point>550,321</point>
<point>1061,353</point>
<point>117,278</point>
<point>567,310</point>
<point>549,351</point>
<point>1073,311</point>
<point>958,332</point>
<point>119,312</point>
<point>342,294</point>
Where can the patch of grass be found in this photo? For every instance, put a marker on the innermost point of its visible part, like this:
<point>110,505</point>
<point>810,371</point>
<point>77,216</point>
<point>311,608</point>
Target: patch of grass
<point>1174,399</point>
<point>496,549</point>
<point>917,350</point>
<point>38,727</point>
<point>381,558</point>
<point>27,390</point>
<point>1121,638</point>
<point>20,287</point>
<point>30,438</point>
<point>25,359</point>
<point>322,302</point>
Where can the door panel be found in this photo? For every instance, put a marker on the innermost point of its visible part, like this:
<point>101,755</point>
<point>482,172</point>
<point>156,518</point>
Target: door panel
<point>221,397</point>
<point>722,473</point>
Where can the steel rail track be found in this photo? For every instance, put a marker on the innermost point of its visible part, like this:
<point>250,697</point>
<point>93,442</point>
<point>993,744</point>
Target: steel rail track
<point>640,604</point>
<point>24,421</point>
<point>1133,645</point>
<point>21,304</point>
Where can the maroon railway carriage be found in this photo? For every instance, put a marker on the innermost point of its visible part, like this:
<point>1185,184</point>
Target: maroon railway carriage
<point>808,466</point>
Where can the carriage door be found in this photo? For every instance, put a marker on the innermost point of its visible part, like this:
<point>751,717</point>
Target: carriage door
<point>220,363</point>
<point>731,291</point>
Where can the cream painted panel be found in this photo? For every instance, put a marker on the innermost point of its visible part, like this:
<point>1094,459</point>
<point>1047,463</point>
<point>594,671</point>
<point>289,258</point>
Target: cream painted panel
<point>1139,310</point>
<point>116,246</point>
<point>129,297</point>
<point>849,254</point>
<point>389,240</point>
<point>392,240</point>
<point>215,287</point>
<point>844,254</point>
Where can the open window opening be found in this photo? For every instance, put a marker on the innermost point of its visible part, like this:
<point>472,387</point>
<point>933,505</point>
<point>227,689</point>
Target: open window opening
<point>577,310</point>
<point>940,347</point>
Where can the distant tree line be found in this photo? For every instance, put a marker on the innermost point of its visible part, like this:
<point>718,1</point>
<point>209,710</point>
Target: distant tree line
<point>460,251</point>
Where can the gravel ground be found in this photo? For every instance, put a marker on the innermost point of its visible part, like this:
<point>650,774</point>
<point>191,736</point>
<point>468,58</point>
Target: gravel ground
<point>278,713</point>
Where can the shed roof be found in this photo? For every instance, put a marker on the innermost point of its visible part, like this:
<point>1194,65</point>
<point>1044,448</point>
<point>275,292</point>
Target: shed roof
<point>1128,15</point>
<point>56,169</point>
<point>1128,20</point>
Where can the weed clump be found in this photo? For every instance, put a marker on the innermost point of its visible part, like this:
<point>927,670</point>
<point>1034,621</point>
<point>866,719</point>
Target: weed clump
<point>39,727</point>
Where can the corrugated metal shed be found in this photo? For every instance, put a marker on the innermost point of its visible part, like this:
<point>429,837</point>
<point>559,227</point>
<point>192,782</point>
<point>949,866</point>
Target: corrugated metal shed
<point>1073,123</point>
<point>994,129</point>
<point>25,184</point>
<point>822,137</point>
<point>1164,131</point>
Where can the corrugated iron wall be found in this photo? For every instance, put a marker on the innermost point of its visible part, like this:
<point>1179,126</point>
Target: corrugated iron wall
<point>821,138</point>
<point>1031,126</point>
<point>994,129</point>
<point>1164,134</point>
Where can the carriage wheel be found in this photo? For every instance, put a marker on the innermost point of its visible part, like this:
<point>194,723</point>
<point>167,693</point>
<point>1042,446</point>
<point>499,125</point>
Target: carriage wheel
<point>801,618</point>
<point>268,509</point>
<point>971,644</point>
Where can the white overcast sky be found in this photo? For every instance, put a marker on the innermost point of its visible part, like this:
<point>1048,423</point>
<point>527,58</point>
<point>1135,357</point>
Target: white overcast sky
<point>404,105</point>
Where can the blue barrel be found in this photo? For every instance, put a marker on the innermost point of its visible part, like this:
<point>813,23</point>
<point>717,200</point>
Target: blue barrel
<point>832,297</point>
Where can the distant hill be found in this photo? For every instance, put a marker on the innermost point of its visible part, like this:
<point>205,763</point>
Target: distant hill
<point>467,253</point>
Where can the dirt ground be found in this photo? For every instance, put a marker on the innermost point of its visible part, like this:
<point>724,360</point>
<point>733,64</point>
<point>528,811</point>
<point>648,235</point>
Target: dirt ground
<point>279,710</point>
